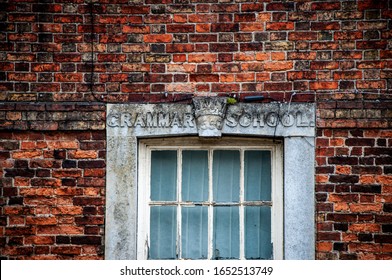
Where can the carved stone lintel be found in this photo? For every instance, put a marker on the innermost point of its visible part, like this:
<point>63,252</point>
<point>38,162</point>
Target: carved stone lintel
<point>210,114</point>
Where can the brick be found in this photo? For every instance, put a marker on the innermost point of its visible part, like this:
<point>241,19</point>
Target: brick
<point>343,197</point>
<point>180,48</point>
<point>350,75</point>
<point>369,4</point>
<point>226,8</point>
<point>299,36</point>
<point>325,6</point>
<point>220,47</point>
<point>279,6</point>
<point>347,55</point>
<point>366,170</point>
<point>62,145</point>
<point>18,231</point>
<point>344,179</point>
<point>41,220</point>
<point>203,38</point>
<point>366,189</point>
<point>66,250</point>
<point>112,57</point>
<point>337,246</point>
<point>135,9</point>
<point>91,164</point>
<point>204,78</point>
<point>15,251</point>
<point>202,58</point>
<point>66,173</point>
<point>180,28</point>
<point>279,26</point>
<point>385,238</point>
<point>244,17</point>
<point>158,38</point>
<point>341,226</point>
<point>325,26</point>
<point>157,58</point>
<point>359,142</point>
<point>323,85</point>
<point>92,220</point>
<point>364,227</point>
<point>225,87</point>
<point>328,236</point>
<point>252,7</point>
<point>278,66</point>
<point>26,77</point>
<point>246,47</point>
<point>342,217</point>
<point>387,207</point>
<point>387,228</point>
<point>377,151</point>
<point>66,57</point>
<point>278,86</point>
<point>19,172</point>
<point>89,240</point>
<point>84,201</point>
<point>63,77</point>
<point>224,27</point>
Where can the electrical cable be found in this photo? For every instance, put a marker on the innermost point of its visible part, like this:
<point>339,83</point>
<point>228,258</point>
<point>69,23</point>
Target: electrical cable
<point>92,61</point>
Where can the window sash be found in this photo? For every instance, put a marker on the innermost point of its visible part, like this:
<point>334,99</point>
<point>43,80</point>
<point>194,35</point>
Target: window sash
<point>274,203</point>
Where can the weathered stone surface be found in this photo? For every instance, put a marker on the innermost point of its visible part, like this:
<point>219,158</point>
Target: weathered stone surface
<point>279,119</point>
<point>126,123</point>
<point>210,114</point>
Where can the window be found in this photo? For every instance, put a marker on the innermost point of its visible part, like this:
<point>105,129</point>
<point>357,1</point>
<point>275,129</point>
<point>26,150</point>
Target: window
<point>215,199</point>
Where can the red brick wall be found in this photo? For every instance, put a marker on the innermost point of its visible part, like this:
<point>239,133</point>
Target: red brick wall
<point>354,181</point>
<point>192,46</point>
<point>52,194</point>
<point>335,53</point>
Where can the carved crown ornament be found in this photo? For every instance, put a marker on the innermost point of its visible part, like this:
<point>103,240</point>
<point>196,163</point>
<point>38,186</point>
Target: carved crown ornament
<point>210,113</point>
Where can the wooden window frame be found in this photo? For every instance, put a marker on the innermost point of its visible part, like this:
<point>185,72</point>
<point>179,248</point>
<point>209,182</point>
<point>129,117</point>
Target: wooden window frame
<point>195,143</point>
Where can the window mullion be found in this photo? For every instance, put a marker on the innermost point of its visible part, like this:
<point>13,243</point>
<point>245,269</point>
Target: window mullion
<point>179,199</point>
<point>210,207</point>
<point>241,206</point>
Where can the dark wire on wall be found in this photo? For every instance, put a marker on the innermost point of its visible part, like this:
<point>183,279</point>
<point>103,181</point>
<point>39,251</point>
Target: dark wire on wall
<point>92,61</point>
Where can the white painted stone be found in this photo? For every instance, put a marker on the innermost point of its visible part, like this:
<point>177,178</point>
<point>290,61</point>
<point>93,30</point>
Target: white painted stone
<point>299,215</point>
<point>272,119</point>
<point>126,123</point>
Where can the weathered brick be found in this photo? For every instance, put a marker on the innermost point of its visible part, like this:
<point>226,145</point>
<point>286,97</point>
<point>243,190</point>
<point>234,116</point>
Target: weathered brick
<point>331,236</point>
<point>158,38</point>
<point>220,47</point>
<point>88,201</point>
<point>89,240</point>
<point>342,217</point>
<point>202,58</point>
<point>366,188</point>
<point>66,250</point>
<point>325,50</point>
<point>387,207</point>
<point>204,78</point>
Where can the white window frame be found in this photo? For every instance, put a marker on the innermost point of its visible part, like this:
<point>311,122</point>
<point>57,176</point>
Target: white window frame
<point>195,143</point>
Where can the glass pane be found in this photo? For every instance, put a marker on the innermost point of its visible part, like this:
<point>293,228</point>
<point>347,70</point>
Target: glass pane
<point>194,236</point>
<point>163,175</point>
<point>226,176</point>
<point>258,232</point>
<point>226,240</point>
<point>163,233</point>
<point>257,175</point>
<point>194,175</point>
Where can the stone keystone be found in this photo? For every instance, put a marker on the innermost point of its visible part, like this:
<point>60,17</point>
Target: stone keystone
<point>210,113</point>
